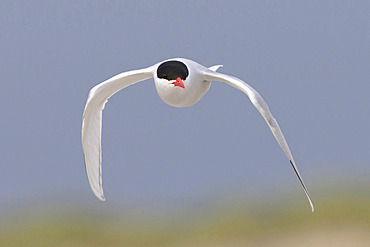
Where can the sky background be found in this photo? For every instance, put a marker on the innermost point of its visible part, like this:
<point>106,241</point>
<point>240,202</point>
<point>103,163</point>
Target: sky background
<point>308,59</point>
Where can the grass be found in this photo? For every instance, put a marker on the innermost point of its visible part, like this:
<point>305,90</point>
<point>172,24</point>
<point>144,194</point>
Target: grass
<point>341,218</point>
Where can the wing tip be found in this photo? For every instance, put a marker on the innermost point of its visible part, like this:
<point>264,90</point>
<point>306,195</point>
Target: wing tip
<point>312,207</point>
<point>98,191</point>
<point>303,185</point>
<point>99,195</point>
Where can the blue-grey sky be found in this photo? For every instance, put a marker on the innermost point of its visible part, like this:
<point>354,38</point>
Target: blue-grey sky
<point>308,59</point>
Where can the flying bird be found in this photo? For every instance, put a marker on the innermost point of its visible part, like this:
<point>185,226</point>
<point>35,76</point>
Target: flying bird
<point>180,83</point>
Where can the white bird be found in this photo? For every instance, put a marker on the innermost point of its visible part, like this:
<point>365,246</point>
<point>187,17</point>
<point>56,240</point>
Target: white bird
<point>179,82</point>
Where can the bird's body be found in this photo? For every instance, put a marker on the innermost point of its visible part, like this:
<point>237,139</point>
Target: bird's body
<point>195,85</point>
<point>179,82</point>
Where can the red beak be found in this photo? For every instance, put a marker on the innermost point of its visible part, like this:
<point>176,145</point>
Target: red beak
<point>178,83</point>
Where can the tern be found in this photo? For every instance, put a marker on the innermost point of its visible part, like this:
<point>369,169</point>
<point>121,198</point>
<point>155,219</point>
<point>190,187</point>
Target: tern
<point>179,82</point>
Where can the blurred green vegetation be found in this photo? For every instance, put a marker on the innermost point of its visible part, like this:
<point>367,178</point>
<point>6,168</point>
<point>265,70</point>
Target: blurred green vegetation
<point>338,221</point>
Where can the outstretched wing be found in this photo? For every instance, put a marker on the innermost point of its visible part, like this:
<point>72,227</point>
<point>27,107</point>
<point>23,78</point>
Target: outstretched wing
<point>263,108</point>
<point>92,122</point>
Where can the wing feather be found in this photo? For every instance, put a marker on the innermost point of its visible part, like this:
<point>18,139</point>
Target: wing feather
<point>92,122</point>
<point>263,108</point>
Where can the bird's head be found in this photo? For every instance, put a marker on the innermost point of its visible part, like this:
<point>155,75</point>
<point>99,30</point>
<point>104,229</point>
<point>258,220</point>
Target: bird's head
<point>175,72</point>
